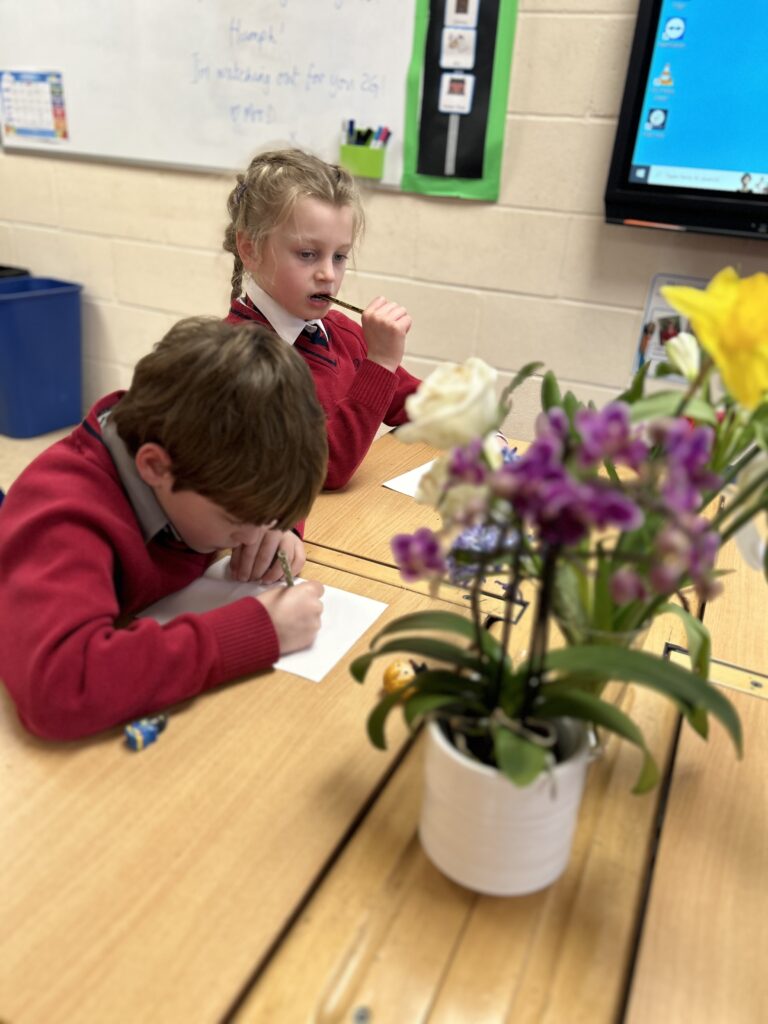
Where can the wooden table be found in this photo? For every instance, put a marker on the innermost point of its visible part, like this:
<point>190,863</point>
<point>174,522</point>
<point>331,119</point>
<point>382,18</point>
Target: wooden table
<point>150,886</point>
<point>361,519</point>
<point>705,936</point>
<point>260,863</point>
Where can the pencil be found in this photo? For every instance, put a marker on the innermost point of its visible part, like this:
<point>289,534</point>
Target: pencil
<point>283,560</point>
<point>346,305</point>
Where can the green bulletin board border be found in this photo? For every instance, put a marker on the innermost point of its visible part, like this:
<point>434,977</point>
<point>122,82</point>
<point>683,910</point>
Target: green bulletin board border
<point>485,188</point>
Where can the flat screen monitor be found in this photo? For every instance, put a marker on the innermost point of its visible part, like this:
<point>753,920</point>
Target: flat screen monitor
<point>691,149</point>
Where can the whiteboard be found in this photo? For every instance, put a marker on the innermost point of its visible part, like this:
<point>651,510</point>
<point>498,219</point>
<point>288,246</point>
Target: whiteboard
<point>206,83</point>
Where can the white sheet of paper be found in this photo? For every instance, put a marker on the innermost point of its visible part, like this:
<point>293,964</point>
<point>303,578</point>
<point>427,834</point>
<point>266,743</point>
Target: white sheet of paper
<point>346,617</point>
<point>408,483</point>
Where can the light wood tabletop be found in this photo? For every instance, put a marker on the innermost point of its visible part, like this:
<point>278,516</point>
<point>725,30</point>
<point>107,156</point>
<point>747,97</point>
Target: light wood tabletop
<point>361,519</point>
<point>704,940</point>
<point>149,886</point>
<point>738,618</point>
<point>702,956</point>
<point>388,939</point>
<point>260,862</point>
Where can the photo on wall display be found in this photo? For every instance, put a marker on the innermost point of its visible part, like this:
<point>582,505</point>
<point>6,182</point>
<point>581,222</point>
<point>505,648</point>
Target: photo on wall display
<point>458,49</point>
<point>660,323</point>
<point>461,12</point>
<point>456,109</point>
<point>456,93</point>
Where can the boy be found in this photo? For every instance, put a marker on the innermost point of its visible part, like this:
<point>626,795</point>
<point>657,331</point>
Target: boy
<point>219,437</point>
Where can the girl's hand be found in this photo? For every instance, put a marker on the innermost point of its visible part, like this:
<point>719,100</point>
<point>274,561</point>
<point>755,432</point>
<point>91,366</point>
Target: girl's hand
<point>385,325</point>
<point>295,613</point>
<point>257,561</point>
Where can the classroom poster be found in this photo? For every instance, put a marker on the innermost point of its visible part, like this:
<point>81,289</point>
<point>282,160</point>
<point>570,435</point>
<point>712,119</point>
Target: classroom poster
<point>660,323</point>
<point>32,104</point>
<point>458,83</point>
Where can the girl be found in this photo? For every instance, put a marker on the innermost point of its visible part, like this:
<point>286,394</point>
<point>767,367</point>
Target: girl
<point>294,220</point>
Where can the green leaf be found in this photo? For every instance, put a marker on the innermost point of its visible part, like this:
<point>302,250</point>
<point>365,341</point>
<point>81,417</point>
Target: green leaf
<point>589,708</point>
<point>657,673</point>
<point>512,694</point>
<point>571,404</point>
<point>360,666</point>
<point>550,391</point>
<point>610,469</point>
<point>445,621</point>
<point>635,389</point>
<point>570,599</point>
<point>423,703</point>
<point>603,602</point>
<point>522,375</point>
<point>697,719</point>
<point>378,717</point>
<point>518,758</point>
<point>697,637</point>
<point>666,370</point>
<point>465,690</point>
<point>426,646</point>
<point>666,403</point>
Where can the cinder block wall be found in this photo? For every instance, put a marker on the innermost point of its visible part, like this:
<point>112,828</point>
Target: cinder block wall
<point>537,275</point>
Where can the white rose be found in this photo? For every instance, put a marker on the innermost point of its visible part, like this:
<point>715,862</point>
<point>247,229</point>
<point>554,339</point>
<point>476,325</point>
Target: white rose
<point>685,355</point>
<point>454,405</point>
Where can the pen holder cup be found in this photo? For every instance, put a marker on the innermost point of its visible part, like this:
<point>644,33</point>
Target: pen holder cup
<point>363,161</point>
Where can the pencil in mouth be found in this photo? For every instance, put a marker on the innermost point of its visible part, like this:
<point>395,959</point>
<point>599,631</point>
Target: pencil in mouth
<point>340,302</point>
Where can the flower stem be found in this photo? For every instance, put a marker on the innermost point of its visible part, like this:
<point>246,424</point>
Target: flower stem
<point>474,600</point>
<point>540,630</point>
<point>737,524</point>
<point>511,591</point>
<point>737,467</point>
<point>746,513</point>
<point>701,377</point>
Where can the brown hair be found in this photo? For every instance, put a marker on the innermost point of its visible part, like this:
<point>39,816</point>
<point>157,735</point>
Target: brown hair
<point>266,194</point>
<point>237,411</point>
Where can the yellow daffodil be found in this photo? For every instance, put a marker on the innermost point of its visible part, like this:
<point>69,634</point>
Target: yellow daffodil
<point>730,318</point>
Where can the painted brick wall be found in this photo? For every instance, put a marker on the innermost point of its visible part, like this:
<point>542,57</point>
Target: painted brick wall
<point>537,275</point>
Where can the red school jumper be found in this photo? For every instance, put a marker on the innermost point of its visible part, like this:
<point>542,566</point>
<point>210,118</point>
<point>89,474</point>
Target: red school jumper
<point>357,394</point>
<point>73,559</point>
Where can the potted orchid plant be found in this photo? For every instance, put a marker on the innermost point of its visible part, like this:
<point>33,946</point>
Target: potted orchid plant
<point>609,515</point>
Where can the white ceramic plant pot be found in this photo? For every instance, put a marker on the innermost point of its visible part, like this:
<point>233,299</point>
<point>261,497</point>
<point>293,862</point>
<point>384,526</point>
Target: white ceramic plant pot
<point>486,833</point>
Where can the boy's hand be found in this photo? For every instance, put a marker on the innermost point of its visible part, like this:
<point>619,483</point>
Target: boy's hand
<point>257,562</point>
<point>295,613</point>
<point>385,325</point>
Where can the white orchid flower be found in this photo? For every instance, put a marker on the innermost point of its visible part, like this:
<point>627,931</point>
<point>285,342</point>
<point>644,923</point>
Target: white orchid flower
<point>684,353</point>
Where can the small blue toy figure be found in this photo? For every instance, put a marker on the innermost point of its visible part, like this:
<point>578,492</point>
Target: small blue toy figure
<point>143,731</point>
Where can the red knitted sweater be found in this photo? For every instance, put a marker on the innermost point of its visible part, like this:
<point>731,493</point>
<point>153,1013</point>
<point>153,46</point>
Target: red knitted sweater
<point>357,395</point>
<point>72,561</point>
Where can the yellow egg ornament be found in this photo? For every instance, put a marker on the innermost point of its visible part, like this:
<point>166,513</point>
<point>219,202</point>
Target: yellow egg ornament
<point>397,675</point>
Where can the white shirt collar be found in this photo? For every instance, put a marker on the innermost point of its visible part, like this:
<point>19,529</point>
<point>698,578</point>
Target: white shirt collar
<point>285,324</point>
<point>149,512</point>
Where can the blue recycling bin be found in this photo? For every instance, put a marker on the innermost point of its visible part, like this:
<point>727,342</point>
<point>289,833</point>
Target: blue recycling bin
<point>40,355</point>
